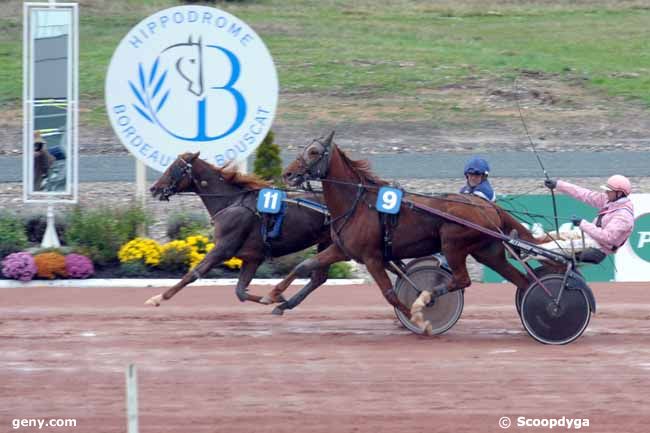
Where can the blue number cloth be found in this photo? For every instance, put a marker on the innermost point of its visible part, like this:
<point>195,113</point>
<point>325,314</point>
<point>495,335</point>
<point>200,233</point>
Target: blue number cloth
<point>389,200</point>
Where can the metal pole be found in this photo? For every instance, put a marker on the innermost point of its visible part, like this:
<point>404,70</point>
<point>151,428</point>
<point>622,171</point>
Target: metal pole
<point>50,238</point>
<point>131,399</point>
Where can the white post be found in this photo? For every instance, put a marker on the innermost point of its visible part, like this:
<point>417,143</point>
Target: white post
<point>50,238</point>
<point>141,182</point>
<point>141,189</point>
<point>131,399</point>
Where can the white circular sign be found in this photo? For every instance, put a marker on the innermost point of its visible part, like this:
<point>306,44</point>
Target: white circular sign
<point>187,79</point>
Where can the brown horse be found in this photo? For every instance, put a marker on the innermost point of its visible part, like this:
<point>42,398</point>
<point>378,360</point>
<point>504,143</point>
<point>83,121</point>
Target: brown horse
<point>230,198</point>
<point>350,192</point>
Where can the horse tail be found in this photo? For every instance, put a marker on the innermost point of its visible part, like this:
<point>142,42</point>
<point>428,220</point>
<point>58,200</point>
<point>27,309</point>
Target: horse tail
<point>509,223</point>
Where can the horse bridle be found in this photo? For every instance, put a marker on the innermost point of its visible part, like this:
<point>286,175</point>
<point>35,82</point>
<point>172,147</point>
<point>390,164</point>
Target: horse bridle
<point>321,164</point>
<point>177,174</point>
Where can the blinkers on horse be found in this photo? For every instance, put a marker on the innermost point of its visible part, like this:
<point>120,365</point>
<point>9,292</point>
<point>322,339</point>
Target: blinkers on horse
<point>314,160</point>
<point>177,174</point>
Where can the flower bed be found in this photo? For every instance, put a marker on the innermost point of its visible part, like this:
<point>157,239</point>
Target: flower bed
<point>102,243</point>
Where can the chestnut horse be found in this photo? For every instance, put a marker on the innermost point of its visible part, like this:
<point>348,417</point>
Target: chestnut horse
<point>230,198</point>
<point>350,192</point>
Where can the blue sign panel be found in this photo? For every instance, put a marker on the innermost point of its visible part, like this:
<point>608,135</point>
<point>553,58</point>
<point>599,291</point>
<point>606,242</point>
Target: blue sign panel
<point>270,200</point>
<point>389,200</point>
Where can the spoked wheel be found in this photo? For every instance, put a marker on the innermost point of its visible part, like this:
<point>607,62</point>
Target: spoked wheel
<point>442,312</point>
<point>551,323</point>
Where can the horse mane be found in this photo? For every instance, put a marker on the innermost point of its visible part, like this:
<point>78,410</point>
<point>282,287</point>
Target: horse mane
<point>362,168</point>
<point>232,176</point>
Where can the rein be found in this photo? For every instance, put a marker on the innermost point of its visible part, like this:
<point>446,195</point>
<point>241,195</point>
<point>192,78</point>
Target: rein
<point>346,216</point>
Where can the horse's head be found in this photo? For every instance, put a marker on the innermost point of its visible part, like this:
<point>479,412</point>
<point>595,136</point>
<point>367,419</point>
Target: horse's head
<point>312,163</point>
<point>189,64</point>
<point>177,178</point>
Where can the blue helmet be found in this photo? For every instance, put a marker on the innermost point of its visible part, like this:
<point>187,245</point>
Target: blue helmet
<point>476,165</point>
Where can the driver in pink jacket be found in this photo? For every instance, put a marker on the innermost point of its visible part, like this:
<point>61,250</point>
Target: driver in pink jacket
<point>614,222</point>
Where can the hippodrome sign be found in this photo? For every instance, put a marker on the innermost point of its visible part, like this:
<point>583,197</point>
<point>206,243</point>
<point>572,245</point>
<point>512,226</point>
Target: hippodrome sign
<point>187,79</point>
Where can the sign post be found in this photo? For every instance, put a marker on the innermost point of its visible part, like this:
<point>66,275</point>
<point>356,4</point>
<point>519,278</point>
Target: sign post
<point>50,107</point>
<point>50,102</point>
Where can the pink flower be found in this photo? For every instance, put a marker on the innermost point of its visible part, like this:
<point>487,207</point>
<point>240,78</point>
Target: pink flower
<point>19,266</point>
<point>78,266</point>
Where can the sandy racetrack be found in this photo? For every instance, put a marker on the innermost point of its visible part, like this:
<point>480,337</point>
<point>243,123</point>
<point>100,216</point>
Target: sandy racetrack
<point>339,363</point>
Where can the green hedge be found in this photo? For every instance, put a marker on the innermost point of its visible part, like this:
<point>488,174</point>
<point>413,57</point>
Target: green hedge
<point>12,234</point>
<point>99,233</point>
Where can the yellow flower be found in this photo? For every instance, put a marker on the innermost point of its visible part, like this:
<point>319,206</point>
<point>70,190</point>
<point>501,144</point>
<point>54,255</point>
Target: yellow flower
<point>195,258</point>
<point>179,245</point>
<point>234,263</point>
<point>144,249</point>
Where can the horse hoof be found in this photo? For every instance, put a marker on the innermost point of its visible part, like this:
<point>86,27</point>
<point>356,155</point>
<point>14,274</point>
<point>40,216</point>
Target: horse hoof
<point>277,311</point>
<point>154,301</point>
<point>417,318</point>
<point>428,329</point>
<point>242,296</point>
<point>266,300</point>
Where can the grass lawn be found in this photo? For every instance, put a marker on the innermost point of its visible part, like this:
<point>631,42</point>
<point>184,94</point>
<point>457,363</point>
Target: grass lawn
<point>380,51</point>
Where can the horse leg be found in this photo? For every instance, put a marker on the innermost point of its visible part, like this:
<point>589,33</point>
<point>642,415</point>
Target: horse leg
<point>457,260</point>
<point>377,270</point>
<point>455,244</point>
<point>318,277</point>
<point>495,257</point>
<point>331,254</point>
<point>210,260</point>
<point>245,276</point>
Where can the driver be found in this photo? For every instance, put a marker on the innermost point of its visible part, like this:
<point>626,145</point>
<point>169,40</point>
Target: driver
<point>476,173</point>
<point>613,224</point>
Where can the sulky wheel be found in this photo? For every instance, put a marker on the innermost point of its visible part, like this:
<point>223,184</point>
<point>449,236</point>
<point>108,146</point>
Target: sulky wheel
<point>519,296</point>
<point>540,271</point>
<point>551,323</point>
<point>443,312</point>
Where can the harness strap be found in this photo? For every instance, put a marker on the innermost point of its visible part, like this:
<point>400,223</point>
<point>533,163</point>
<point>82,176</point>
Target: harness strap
<point>388,223</point>
<point>336,232</point>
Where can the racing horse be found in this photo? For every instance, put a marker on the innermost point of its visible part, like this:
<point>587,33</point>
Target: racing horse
<point>350,190</point>
<point>230,198</point>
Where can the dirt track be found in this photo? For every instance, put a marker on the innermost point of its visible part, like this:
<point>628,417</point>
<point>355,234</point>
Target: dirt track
<point>207,363</point>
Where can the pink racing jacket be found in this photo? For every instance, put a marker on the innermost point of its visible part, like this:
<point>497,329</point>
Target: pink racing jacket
<point>617,218</point>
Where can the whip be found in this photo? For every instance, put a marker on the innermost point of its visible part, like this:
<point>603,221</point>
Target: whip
<point>539,160</point>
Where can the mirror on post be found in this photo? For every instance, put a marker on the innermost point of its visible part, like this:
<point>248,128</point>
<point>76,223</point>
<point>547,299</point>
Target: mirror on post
<point>50,80</point>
